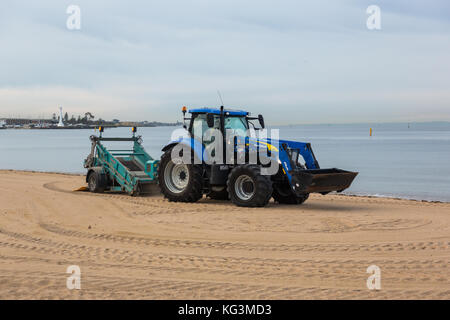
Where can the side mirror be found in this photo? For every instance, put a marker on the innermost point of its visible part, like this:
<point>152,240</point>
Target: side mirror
<point>210,120</point>
<point>261,120</point>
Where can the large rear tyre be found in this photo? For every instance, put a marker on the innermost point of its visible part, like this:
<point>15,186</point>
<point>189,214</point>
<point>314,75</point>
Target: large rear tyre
<point>180,182</point>
<point>284,195</point>
<point>96,181</point>
<point>247,187</point>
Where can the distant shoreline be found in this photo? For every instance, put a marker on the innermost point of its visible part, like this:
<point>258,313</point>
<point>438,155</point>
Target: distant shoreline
<point>88,127</point>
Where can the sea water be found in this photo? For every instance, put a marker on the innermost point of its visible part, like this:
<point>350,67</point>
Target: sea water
<point>398,160</point>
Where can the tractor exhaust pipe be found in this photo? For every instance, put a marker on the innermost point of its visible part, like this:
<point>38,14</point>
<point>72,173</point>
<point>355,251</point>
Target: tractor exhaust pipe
<point>222,129</point>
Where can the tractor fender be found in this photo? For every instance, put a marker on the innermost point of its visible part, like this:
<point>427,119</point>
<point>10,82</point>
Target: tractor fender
<point>195,145</point>
<point>169,146</point>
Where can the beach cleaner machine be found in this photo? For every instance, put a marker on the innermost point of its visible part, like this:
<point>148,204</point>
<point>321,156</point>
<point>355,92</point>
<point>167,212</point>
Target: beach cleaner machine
<point>132,171</point>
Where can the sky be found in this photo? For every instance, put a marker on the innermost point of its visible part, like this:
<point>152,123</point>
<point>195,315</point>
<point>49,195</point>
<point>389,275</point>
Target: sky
<point>293,61</point>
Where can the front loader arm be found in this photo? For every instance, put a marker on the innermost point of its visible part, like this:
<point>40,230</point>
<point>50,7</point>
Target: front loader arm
<point>310,159</point>
<point>305,151</point>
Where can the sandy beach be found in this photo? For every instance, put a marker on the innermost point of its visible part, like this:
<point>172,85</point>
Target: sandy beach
<point>147,248</point>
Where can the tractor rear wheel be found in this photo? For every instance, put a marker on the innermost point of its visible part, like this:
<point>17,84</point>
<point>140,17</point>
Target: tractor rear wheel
<point>180,182</point>
<point>96,181</point>
<point>247,187</point>
<point>284,195</point>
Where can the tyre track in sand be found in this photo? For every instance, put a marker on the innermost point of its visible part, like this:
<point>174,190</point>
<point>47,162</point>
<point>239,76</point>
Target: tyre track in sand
<point>158,204</point>
<point>391,247</point>
<point>340,269</point>
<point>94,287</point>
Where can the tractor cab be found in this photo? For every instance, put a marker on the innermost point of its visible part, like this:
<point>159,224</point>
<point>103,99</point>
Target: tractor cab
<point>202,119</point>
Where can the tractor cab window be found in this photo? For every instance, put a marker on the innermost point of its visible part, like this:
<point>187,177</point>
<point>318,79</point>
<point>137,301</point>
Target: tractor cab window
<point>200,126</point>
<point>238,125</point>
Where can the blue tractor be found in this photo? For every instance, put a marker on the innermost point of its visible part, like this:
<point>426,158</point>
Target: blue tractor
<point>298,173</point>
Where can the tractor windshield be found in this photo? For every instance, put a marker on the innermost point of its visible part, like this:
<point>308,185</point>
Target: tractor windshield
<point>236,124</point>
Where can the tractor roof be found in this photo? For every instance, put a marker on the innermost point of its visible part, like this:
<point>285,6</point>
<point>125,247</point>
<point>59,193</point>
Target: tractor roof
<point>217,111</point>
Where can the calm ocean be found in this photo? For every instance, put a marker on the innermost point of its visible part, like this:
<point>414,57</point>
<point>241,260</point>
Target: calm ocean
<point>397,161</point>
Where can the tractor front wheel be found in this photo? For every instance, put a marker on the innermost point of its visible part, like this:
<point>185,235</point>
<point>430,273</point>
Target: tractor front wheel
<point>180,182</point>
<point>247,187</point>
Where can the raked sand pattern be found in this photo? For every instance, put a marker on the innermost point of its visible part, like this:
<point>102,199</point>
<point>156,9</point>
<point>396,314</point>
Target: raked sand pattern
<point>148,248</point>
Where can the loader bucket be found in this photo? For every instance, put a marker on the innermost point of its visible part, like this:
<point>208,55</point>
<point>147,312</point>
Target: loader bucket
<point>322,180</point>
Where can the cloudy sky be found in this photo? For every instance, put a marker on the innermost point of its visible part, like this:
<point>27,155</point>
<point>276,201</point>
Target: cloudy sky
<point>294,61</point>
